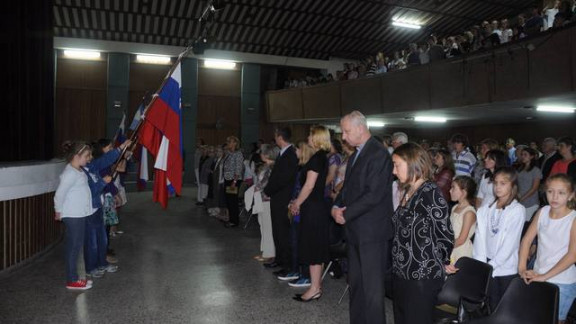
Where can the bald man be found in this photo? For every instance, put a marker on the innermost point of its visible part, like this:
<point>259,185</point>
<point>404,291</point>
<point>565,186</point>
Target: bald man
<point>364,207</point>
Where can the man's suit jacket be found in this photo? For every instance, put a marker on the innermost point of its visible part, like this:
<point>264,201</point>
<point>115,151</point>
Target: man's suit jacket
<point>546,168</point>
<point>367,195</point>
<point>281,181</point>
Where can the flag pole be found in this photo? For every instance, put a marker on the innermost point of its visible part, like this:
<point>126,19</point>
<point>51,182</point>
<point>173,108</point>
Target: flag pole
<point>136,132</point>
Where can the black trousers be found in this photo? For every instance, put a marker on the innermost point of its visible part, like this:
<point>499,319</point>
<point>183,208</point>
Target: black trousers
<point>414,300</point>
<point>281,232</point>
<point>232,203</point>
<point>366,269</point>
<point>498,286</point>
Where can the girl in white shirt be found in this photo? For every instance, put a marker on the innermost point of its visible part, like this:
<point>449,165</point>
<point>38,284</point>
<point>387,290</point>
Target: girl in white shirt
<point>556,255</point>
<point>72,204</point>
<point>498,232</point>
<point>493,160</point>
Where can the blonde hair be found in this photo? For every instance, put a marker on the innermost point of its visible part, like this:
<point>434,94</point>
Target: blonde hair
<point>306,152</point>
<point>320,138</point>
<point>235,140</point>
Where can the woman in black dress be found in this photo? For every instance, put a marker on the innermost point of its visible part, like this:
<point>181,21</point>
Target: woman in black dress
<point>314,223</point>
<point>423,237</point>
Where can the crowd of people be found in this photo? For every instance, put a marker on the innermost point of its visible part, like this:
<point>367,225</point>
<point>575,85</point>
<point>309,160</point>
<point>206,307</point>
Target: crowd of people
<point>490,33</point>
<point>87,201</point>
<point>426,205</point>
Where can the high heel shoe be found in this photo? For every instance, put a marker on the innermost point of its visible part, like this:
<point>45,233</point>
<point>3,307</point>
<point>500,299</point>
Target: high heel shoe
<point>298,297</point>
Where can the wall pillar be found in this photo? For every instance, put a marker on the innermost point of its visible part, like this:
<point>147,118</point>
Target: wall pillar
<point>118,89</point>
<point>250,104</point>
<point>189,92</point>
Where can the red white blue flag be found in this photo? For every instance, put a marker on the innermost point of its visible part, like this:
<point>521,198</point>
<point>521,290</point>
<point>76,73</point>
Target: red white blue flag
<point>120,136</point>
<point>161,134</point>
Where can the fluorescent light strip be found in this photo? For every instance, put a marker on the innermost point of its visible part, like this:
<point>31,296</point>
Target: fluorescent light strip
<point>375,123</point>
<point>405,25</point>
<point>219,64</point>
<point>82,54</point>
<point>558,109</point>
<point>425,119</point>
<point>153,59</point>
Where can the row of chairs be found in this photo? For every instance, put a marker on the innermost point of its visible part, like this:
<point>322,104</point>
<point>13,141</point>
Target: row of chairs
<point>464,294</point>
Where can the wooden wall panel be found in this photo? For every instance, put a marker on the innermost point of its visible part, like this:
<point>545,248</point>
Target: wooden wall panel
<point>27,227</point>
<point>549,64</point>
<point>406,90</point>
<point>218,118</point>
<point>511,75</point>
<point>285,105</point>
<point>80,115</point>
<point>478,80</point>
<point>573,57</point>
<point>147,77</point>
<point>447,84</point>
<point>80,110</point>
<point>362,94</point>
<point>322,101</point>
<point>79,74</point>
<point>214,82</point>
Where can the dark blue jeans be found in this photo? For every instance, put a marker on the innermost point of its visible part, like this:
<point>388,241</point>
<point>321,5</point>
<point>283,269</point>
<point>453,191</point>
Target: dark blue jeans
<point>75,230</point>
<point>96,242</point>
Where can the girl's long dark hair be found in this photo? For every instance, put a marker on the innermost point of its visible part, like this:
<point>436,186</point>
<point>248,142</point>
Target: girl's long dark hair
<point>500,159</point>
<point>532,163</point>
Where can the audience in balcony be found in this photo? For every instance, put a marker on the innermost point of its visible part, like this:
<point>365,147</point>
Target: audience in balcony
<point>555,14</point>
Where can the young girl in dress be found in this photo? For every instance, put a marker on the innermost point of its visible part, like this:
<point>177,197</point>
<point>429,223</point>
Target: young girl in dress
<point>72,205</point>
<point>554,227</point>
<point>498,232</point>
<point>463,216</point>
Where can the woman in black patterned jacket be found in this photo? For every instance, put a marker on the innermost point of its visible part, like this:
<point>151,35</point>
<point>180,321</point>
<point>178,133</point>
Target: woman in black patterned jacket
<point>423,237</point>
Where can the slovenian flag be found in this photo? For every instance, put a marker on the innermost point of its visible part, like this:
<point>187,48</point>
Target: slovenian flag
<point>137,117</point>
<point>161,134</point>
<point>143,174</point>
<point>121,132</point>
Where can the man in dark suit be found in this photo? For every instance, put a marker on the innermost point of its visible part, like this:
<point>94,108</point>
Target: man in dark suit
<point>279,189</point>
<point>549,157</point>
<point>364,206</point>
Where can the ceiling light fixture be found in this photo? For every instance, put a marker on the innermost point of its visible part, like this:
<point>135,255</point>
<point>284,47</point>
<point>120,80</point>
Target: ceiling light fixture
<point>152,59</point>
<point>404,24</point>
<point>558,109</point>
<point>82,54</point>
<point>426,119</point>
<point>220,64</point>
<point>376,123</point>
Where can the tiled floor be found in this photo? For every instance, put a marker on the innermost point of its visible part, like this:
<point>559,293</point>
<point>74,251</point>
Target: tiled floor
<point>176,266</point>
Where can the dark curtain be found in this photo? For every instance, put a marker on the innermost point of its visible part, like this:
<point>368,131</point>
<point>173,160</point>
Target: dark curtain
<point>27,74</point>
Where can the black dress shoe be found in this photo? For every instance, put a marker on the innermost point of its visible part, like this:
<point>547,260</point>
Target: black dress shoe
<point>270,265</point>
<point>298,297</point>
<point>280,273</point>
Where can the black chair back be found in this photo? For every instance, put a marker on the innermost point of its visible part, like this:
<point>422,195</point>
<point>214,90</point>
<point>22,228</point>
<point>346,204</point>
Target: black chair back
<point>471,282</point>
<point>536,303</point>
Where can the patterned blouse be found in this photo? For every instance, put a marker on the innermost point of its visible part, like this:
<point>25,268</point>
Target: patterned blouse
<point>423,236</point>
<point>233,165</point>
